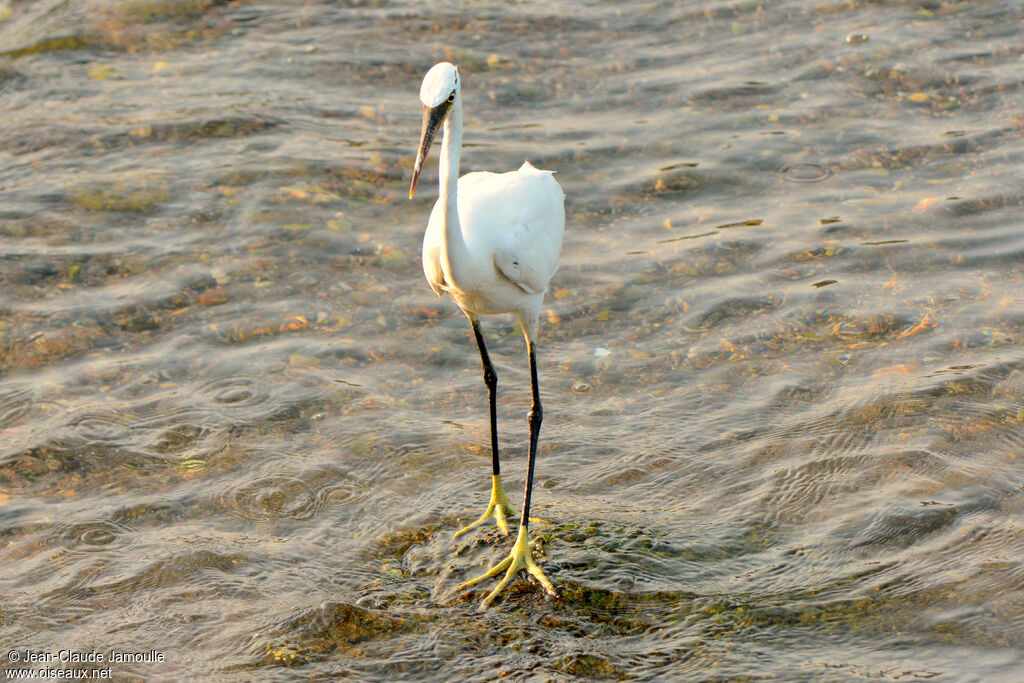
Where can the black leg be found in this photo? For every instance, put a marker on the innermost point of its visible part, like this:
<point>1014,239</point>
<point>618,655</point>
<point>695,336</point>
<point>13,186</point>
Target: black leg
<point>499,506</point>
<point>491,380</point>
<point>521,556</point>
<point>536,417</point>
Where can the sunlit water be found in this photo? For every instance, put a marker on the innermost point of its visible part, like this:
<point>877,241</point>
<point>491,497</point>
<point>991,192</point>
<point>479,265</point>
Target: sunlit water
<point>781,363</point>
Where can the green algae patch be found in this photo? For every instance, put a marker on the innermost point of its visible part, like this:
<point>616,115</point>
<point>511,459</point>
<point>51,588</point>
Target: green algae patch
<point>334,628</point>
<point>123,195</point>
<point>48,45</point>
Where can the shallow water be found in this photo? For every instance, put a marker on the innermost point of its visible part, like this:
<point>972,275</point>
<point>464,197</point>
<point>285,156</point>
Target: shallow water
<point>782,361</point>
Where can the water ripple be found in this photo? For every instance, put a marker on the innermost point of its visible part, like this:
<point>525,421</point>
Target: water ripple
<point>806,173</point>
<point>106,427</point>
<point>236,392</point>
<point>273,498</point>
<point>94,536</point>
<point>22,406</point>
<point>297,498</point>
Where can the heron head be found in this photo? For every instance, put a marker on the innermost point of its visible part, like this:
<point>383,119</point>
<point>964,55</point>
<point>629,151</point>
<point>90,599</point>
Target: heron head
<point>438,92</point>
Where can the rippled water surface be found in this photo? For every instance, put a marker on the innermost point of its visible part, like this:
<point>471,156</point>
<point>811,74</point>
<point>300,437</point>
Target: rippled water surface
<point>782,362</point>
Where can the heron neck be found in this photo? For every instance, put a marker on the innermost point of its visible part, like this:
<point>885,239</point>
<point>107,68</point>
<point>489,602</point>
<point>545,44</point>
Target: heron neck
<point>454,256</point>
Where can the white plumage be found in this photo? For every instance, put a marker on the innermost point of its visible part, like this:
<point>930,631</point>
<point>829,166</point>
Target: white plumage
<point>512,226</point>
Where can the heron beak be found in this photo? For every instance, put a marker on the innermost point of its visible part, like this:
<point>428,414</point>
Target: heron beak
<point>433,117</point>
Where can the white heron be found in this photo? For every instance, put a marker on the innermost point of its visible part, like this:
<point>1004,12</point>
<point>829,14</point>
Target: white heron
<point>492,245</point>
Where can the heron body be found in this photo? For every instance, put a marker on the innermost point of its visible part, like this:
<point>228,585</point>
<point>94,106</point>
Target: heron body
<point>492,245</point>
<point>511,224</point>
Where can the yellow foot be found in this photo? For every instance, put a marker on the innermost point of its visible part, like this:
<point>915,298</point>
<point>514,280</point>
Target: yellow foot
<point>497,508</point>
<point>519,559</point>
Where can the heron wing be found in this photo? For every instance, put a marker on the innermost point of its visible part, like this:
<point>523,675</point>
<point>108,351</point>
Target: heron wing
<point>517,260</point>
<point>527,246</point>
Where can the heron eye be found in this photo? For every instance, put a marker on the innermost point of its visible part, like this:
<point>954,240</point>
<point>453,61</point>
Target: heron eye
<point>451,98</point>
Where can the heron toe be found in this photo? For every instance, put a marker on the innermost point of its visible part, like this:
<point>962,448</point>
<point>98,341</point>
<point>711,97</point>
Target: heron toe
<point>520,558</point>
<point>499,508</point>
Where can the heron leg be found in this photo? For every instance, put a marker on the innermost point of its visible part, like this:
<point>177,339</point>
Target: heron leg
<point>499,505</point>
<point>521,556</point>
<point>536,417</point>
